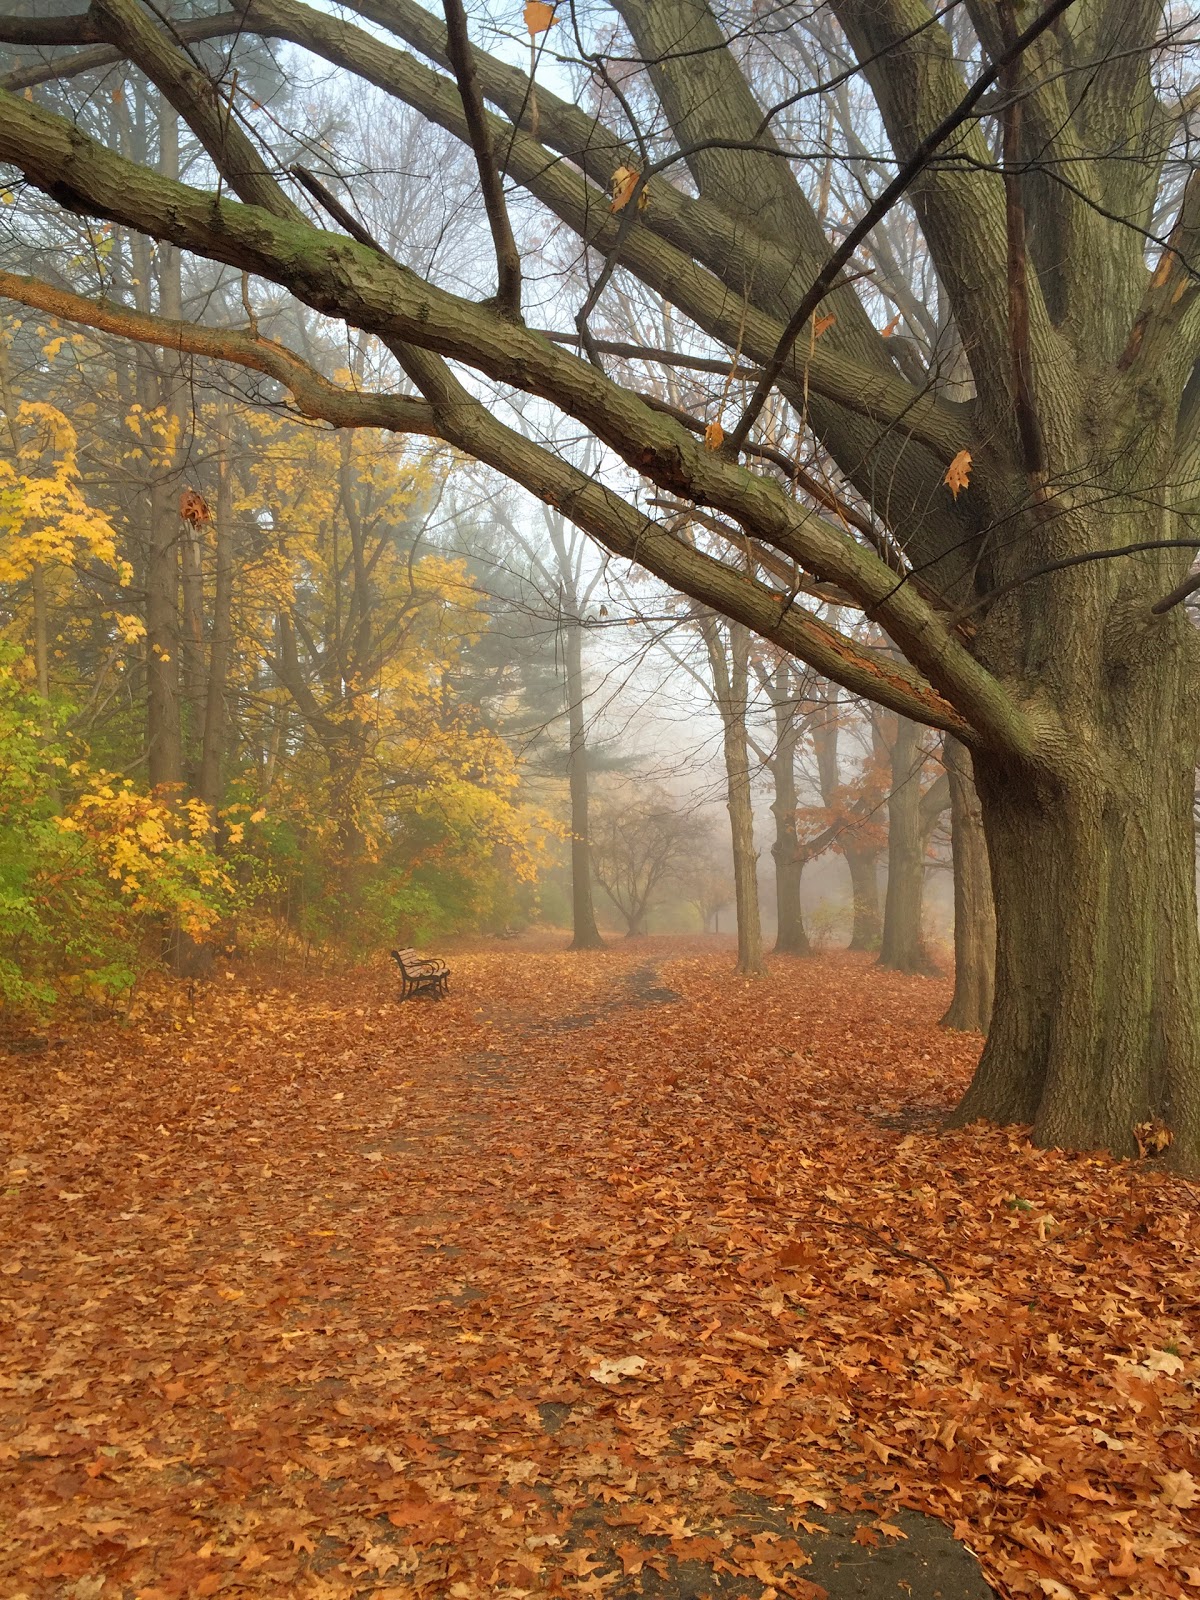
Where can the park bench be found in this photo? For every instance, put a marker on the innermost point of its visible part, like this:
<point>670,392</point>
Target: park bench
<point>421,974</point>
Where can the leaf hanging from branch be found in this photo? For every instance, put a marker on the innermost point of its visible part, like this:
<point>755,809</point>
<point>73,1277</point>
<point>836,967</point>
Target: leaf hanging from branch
<point>624,182</point>
<point>958,473</point>
<point>538,16</point>
<point>193,508</point>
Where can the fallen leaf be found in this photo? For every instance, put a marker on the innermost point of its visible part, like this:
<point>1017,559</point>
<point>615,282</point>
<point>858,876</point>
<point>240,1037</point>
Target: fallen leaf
<point>632,1558</point>
<point>579,1564</point>
<point>610,1371</point>
<point>1179,1489</point>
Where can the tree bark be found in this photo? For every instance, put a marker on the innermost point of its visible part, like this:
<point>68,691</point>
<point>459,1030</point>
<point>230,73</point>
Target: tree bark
<point>902,947</point>
<point>863,862</point>
<point>585,935</point>
<point>163,731</point>
<point>1095,1026</point>
<point>974,912</point>
<point>221,643</point>
<point>192,675</point>
<point>731,675</point>
<point>791,936</point>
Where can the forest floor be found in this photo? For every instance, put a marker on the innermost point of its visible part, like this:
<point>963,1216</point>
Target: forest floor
<point>608,1275</point>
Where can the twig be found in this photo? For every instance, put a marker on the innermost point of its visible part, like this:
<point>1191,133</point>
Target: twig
<point>896,1249</point>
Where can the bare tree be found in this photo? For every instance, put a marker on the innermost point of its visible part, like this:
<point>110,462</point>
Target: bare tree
<point>641,842</point>
<point>566,586</point>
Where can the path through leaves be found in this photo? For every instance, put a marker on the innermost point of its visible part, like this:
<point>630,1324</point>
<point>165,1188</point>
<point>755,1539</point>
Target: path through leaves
<point>606,1269</point>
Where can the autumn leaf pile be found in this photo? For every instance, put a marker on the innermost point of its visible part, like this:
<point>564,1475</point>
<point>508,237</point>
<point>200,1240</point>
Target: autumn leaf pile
<point>309,1293</point>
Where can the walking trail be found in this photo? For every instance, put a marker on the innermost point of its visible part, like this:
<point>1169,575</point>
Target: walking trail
<point>608,1275</point>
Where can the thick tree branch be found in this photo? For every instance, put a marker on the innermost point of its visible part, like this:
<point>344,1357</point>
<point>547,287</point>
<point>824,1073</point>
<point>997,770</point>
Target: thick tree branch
<point>1029,427</point>
<point>618,527</point>
<point>39,32</point>
<point>838,391</point>
<point>339,277</point>
<point>927,147</point>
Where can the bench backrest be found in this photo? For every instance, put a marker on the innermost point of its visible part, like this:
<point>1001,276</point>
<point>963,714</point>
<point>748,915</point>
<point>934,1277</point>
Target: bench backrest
<point>404,958</point>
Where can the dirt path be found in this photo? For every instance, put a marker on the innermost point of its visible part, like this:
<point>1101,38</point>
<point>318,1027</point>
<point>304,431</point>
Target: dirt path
<point>559,1286</point>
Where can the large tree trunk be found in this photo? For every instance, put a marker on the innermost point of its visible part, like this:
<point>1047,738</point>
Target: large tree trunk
<point>974,912</point>
<point>585,935</point>
<point>1095,1022</point>
<point>903,944</point>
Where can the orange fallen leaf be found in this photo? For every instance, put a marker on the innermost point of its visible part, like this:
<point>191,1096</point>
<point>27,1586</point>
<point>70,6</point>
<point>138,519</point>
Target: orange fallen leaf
<point>632,1557</point>
<point>579,1564</point>
<point>1179,1489</point>
<point>1127,1565</point>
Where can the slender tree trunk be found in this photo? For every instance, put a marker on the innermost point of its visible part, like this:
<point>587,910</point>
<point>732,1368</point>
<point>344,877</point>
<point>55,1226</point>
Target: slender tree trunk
<point>974,913</point>
<point>163,724</point>
<point>585,935</point>
<point>863,862</point>
<point>733,705</point>
<point>192,676</point>
<point>163,733</point>
<point>791,937</point>
<point>862,858</point>
<point>1095,1026</point>
<point>41,633</point>
<point>221,643</point>
<point>275,740</point>
<point>745,863</point>
<point>902,946</point>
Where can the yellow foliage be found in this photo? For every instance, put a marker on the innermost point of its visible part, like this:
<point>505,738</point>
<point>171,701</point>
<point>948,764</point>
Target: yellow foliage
<point>44,517</point>
<point>148,846</point>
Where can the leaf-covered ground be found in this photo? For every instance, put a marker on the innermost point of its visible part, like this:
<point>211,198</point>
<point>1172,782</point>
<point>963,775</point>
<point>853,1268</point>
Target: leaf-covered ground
<point>606,1270</point>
